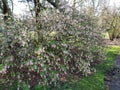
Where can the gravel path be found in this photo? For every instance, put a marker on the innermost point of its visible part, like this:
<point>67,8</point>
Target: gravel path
<point>112,79</point>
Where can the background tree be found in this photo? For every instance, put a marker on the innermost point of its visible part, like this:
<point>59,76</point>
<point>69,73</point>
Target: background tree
<point>111,22</point>
<point>5,9</point>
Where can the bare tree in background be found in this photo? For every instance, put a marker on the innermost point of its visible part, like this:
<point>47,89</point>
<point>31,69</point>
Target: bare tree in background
<point>5,9</point>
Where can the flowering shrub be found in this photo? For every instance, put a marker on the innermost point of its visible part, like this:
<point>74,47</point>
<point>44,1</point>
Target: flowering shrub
<point>58,48</point>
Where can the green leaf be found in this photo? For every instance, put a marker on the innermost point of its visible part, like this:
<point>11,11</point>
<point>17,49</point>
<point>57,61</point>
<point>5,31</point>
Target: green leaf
<point>1,66</point>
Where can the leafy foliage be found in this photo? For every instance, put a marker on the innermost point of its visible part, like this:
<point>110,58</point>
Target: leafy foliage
<point>58,48</point>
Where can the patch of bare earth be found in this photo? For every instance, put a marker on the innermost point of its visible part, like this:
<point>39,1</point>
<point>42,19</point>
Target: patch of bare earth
<point>114,42</point>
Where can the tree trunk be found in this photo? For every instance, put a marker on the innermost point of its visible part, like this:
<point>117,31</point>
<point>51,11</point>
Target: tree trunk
<point>38,8</point>
<point>62,5</point>
<point>6,11</point>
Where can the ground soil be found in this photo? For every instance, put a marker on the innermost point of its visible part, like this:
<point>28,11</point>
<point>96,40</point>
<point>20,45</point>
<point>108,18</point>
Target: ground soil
<point>114,42</point>
<point>112,77</point>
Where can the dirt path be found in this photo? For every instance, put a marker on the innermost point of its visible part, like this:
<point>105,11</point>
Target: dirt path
<point>112,77</point>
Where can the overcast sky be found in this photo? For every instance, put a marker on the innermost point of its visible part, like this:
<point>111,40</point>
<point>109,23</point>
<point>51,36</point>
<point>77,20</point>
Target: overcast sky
<point>19,8</point>
<point>115,2</point>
